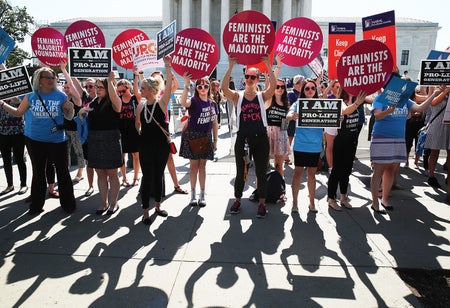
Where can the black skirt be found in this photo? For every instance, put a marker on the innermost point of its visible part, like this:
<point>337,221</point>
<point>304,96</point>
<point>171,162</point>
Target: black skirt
<point>105,150</point>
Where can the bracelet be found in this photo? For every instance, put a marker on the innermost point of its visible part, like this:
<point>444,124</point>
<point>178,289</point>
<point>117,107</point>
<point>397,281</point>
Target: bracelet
<point>167,66</point>
<point>215,139</point>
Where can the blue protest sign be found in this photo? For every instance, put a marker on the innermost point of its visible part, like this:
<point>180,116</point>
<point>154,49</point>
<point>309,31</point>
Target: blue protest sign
<point>397,92</point>
<point>6,45</point>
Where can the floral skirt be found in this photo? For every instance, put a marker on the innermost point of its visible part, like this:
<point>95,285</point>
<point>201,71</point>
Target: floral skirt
<point>278,140</point>
<point>185,150</point>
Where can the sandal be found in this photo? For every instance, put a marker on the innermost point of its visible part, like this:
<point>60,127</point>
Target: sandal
<point>125,184</point>
<point>135,182</point>
<point>161,213</point>
<point>179,190</point>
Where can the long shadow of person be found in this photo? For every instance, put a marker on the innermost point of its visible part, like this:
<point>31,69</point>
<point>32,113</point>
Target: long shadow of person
<point>49,253</point>
<point>354,246</point>
<point>238,249</point>
<point>308,244</point>
<point>170,237</point>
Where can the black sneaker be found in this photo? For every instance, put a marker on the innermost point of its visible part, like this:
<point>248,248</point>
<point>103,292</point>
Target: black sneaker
<point>234,209</point>
<point>432,181</point>
<point>261,211</point>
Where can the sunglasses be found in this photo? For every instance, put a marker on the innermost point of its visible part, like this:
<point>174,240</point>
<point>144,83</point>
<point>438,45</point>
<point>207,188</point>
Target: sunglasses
<point>252,77</point>
<point>48,77</point>
<point>310,88</point>
<point>280,87</point>
<point>122,91</point>
<point>100,87</point>
<point>89,86</point>
<point>205,86</point>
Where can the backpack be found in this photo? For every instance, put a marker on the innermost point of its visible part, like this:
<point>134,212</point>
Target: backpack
<point>276,189</point>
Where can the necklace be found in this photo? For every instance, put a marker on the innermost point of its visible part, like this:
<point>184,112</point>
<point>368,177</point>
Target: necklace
<point>147,113</point>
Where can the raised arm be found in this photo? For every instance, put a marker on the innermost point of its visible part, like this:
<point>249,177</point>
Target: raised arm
<point>75,96</point>
<point>268,93</point>
<point>136,91</point>
<point>183,99</point>
<point>439,92</point>
<point>230,94</point>
<point>115,99</point>
<point>164,100</point>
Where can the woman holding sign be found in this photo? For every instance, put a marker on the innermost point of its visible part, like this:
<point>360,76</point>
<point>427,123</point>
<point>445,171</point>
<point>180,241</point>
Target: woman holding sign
<point>45,110</point>
<point>307,148</point>
<point>202,122</point>
<point>344,149</point>
<point>388,148</point>
<point>251,124</point>
<point>153,147</point>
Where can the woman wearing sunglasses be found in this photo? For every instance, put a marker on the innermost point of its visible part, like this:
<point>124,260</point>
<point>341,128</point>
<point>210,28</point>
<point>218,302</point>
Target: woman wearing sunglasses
<point>277,126</point>
<point>45,110</point>
<point>307,148</point>
<point>251,124</point>
<point>202,121</point>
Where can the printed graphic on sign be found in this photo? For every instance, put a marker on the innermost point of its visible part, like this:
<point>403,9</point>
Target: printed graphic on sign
<point>397,92</point>
<point>166,40</point>
<point>6,45</point>
<point>365,66</point>
<point>434,72</point>
<point>145,55</point>
<point>300,40</point>
<point>381,27</point>
<point>340,37</point>
<point>83,33</point>
<point>90,62</point>
<point>14,82</point>
<point>122,46</point>
<point>248,36</point>
<point>319,112</point>
<point>196,52</point>
<point>49,46</point>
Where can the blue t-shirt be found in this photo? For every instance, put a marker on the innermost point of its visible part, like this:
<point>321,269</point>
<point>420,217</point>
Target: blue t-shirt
<point>394,124</point>
<point>38,123</point>
<point>307,139</point>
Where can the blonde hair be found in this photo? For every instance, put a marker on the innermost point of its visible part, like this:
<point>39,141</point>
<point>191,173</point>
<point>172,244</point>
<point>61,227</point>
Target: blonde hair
<point>37,78</point>
<point>154,83</point>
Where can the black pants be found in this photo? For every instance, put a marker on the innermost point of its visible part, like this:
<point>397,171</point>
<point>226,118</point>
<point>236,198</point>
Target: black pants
<point>411,133</point>
<point>40,153</point>
<point>16,143</point>
<point>344,150</point>
<point>259,145</point>
<point>153,159</point>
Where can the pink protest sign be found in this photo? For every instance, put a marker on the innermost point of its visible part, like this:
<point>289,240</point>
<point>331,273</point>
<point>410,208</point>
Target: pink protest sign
<point>248,36</point>
<point>83,33</point>
<point>49,47</point>
<point>365,66</point>
<point>122,46</point>
<point>300,40</point>
<point>196,52</point>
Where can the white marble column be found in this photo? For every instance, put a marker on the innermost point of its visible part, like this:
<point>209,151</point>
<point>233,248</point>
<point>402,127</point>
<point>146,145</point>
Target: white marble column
<point>166,12</point>
<point>224,17</point>
<point>186,13</point>
<point>287,9</point>
<point>267,8</point>
<point>307,8</point>
<point>247,5</point>
<point>205,13</point>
